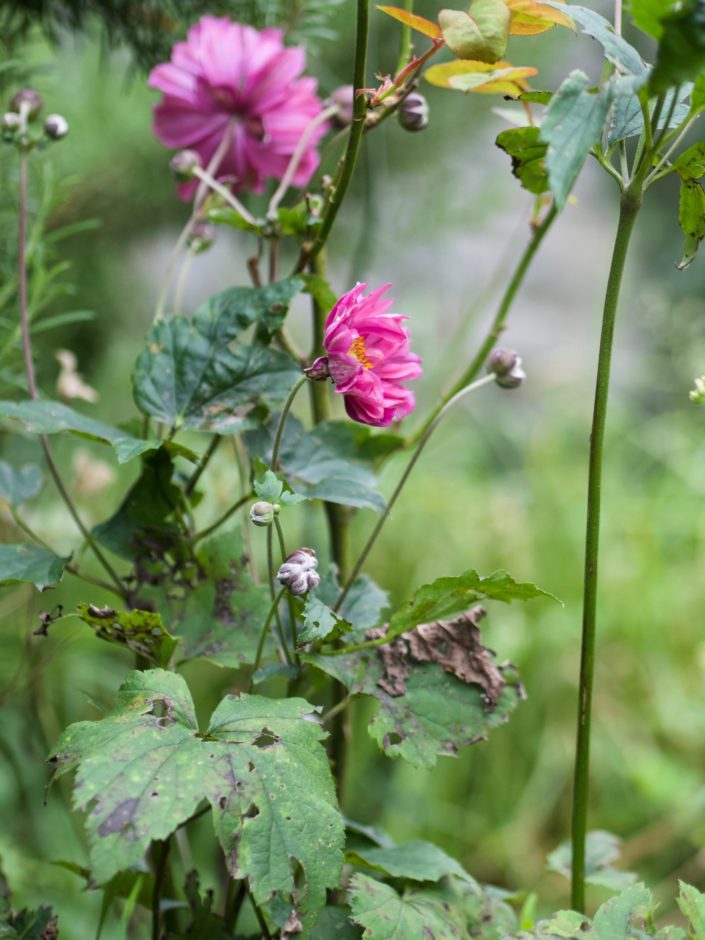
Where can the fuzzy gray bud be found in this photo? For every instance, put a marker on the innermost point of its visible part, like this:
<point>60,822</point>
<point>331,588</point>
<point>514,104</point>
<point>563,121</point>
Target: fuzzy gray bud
<point>11,121</point>
<point>344,98</point>
<point>56,126</point>
<point>29,100</point>
<point>262,513</point>
<point>298,573</point>
<point>413,112</point>
<point>505,364</point>
<point>202,236</point>
<point>183,164</point>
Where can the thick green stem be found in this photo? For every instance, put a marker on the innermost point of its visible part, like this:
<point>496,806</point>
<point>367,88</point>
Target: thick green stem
<point>629,208</point>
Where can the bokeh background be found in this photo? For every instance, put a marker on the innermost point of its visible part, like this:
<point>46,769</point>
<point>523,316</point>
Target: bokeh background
<point>502,484</point>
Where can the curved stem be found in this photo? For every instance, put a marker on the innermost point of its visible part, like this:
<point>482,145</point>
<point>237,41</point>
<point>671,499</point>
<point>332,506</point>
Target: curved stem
<point>202,464</point>
<point>224,518</point>
<point>497,325</point>
<point>629,208</point>
<point>210,182</point>
<point>276,447</point>
<point>32,381</point>
<point>430,427</point>
<point>265,631</point>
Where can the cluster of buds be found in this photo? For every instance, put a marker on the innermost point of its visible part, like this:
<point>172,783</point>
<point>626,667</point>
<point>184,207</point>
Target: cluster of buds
<point>298,573</point>
<point>411,107</point>
<point>24,109</point>
<point>505,365</point>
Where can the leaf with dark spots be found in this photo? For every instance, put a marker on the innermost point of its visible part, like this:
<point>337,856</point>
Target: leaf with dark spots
<point>139,630</point>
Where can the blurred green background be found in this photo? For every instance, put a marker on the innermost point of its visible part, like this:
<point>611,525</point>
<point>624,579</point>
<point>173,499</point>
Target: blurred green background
<point>502,484</point>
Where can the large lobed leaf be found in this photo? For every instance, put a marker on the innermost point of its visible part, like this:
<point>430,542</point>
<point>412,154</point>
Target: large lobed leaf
<point>144,768</point>
<point>386,915</point>
<point>31,564</point>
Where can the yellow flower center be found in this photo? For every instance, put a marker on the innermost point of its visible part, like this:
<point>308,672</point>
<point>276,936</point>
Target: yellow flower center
<point>360,353</point>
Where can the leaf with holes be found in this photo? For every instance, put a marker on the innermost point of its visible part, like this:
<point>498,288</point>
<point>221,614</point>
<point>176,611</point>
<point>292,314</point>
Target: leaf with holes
<point>18,484</point>
<point>481,33</point>
<point>528,155</point>
<point>31,564</point>
<point>414,21</point>
<point>319,621</point>
<point>144,768</point>
<point>386,915</point>
<point>500,78</point>
<point>141,631</point>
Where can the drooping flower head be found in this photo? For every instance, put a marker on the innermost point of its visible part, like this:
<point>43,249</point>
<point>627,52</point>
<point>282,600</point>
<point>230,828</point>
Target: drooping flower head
<point>229,80</point>
<point>369,357</point>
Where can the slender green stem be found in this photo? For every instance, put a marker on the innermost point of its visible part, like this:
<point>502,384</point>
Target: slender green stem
<point>418,450</point>
<point>202,464</point>
<point>289,598</point>
<point>32,381</point>
<point>224,518</point>
<point>344,177</point>
<point>265,631</point>
<point>211,183</point>
<point>405,41</point>
<point>629,208</point>
<point>237,892</point>
<point>497,325</point>
<point>278,434</point>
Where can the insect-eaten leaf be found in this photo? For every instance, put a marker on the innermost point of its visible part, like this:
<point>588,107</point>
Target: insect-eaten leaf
<point>500,78</point>
<point>531,17</point>
<point>31,564</point>
<point>144,768</point>
<point>320,622</point>
<point>528,155</point>
<point>481,34</point>
<point>141,631</point>
<point>414,21</point>
<point>601,853</point>
<point>432,699</point>
<point>691,217</point>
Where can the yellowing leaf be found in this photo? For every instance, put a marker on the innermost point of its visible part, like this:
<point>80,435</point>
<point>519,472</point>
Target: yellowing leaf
<point>482,77</point>
<point>419,23</point>
<point>530,17</point>
<point>481,34</point>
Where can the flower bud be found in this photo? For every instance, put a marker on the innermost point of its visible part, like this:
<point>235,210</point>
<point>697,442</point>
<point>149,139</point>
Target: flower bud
<point>298,572</point>
<point>263,513</point>
<point>343,97</point>
<point>505,364</point>
<point>56,126</point>
<point>318,370</point>
<point>202,236</point>
<point>183,164</point>
<point>413,112</point>
<point>29,100</point>
<point>11,121</point>
<point>698,393</point>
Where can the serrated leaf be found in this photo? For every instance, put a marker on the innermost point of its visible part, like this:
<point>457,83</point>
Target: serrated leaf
<point>333,924</point>
<point>627,118</point>
<point>272,487</point>
<point>18,484</point>
<point>681,49</point>
<point>616,50</point>
<point>481,34</point>
<point>31,564</point>
<point>142,631</point>
<point>500,78</point>
<point>601,852</point>
<point>531,17</point>
<point>365,603</point>
<point>386,915</point>
<point>528,155</point>
<point>300,220</point>
<point>52,417</point>
<point>691,217</point>
<point>573,122</point>
<point>144,768</point>
<point>692,905</point>
<point>416,860</point>
<point>614,918</point>
<point>229,313</point>
<point>690,165</point>
<point>419,23</point>
<point>319,621</point>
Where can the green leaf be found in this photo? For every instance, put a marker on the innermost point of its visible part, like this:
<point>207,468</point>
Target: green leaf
<point>300,219</point>
<point>572,124</point>
<point>647,15</point>
<point>221,618</point>
<point>528,155</point>
<point>226,215</point>
<point>144,768</point>
<point>690,165</point>
<point>697,96</point>
<point>436,715</point>
<point>31,564</point>
<point>272,487</point>
<point>681,50</point>
<point>616,50</point>
<point>614,918</point>
<point>234,310</point>
<point>25,924</point>
<point>18,484</point>
<point>480,34</point>
<point>51,417</point>
<point>692,905</point>
<point>143,519</point>
<point>416,860</point>
<point>319,621</point>
<point>139,630</point>
<point>321,291</point>
<point>601,852</point>
<point>627,118</point>
<point>691,217</point>
<point>386,915</point>
<point>447,596</point>
<point>364,605</point>
<point>333,924</point>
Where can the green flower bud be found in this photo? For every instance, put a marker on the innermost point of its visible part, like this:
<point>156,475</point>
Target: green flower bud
<point>262,513</point>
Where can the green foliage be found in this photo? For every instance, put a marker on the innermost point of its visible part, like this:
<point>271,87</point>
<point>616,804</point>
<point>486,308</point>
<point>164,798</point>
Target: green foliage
<point>681,49</point>
<point>647,14</point>
<point>32,564</point>
<point>18,484</point>
<point>691,217</point>
<point>144,768</point>
<point>481,34</point>
<point>25,924</point>
<point>415,860</point>
<point>601,852</point>
<point>616,50</point>
<point>528,155</point>
<point>386,915</point>
<point>142,631</point>
<point>627,117</point>
<point>319,621</point>
<point>364,604</point>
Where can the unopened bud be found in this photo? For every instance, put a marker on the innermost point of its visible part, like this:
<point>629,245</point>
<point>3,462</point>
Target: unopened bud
<point>202,236</point>
<point>29,100</point>
<point>318,370</point>
<point>298,573</point>
<point>344,98</point>
<point>183,164</point>
<point>11,121</point>
<point>263,513</point>
<point>505,364</point>
<point>698,393</point>
<point>56,126</point>
<point>413,112</point>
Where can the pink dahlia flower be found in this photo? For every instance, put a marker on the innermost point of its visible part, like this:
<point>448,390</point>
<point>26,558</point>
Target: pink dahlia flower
<point>229,79</point>
<point>369,357</point>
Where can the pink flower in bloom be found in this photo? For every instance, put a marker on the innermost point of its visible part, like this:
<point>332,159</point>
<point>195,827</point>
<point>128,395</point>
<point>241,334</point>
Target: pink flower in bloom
<point>229,79</point>
<point>369,357</point>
